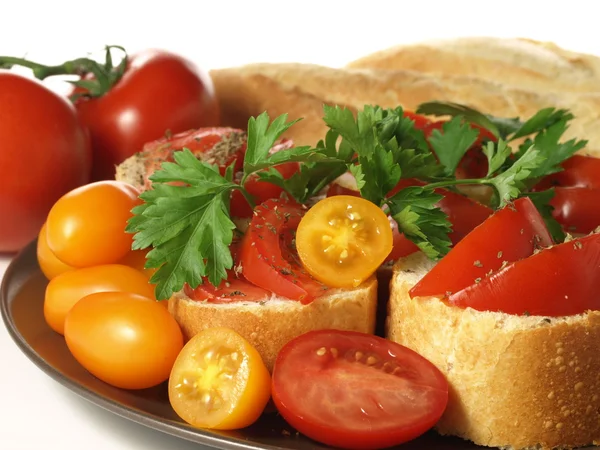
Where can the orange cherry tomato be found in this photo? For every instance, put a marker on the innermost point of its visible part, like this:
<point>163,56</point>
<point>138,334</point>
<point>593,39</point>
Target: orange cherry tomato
<point>219,381</point>
<point>51,266</point>
<point>125,339</point>
<point>86,227</point>
<point>67,289</point>
<point>137,260</point>
<point>342,240</point>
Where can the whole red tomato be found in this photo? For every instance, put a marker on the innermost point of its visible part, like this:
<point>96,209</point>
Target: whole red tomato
<point>44,153</point>
<point>159,92</point>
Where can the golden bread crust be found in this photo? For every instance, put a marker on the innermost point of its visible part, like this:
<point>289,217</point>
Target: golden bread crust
<point>269,326</point>
<point>515,381</point>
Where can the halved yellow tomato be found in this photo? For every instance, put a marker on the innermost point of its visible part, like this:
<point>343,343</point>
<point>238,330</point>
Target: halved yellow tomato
<point>51,266</point>
<point>219,381</point>
<point>342,240</point>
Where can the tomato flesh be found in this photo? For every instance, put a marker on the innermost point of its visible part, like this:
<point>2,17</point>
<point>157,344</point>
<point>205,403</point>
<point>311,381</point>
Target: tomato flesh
<point>262,254</point>
<point>510,234</point>
<point>219,381</point>
<point>559,281</point>
<point>342,240</point>
<point>357,391</point>
<point>233,289</point>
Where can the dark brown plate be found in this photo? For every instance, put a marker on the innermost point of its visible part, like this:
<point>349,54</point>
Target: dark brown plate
<point>21,302</point>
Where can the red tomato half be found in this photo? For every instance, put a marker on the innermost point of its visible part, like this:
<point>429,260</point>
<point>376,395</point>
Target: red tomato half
<point>159,92</point>
<point>356,391</point>
<point>557,281</point>
<point>420,121</point>
<point>511,234</point>
<point>577,208</point>
<point>579,171</point>
<point>264,248</point>
<point>44,154</point>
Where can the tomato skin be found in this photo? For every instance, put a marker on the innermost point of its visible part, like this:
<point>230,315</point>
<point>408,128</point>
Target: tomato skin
<point>233,289</point>
<point>159,92</point>
<point>124,339</point>
<point>578,171</point>
<point>262,256</point>
<point>576,208</point>
<point>322,391</point>
<point>65,290</point>
<point>49,264</point>
<point>558,281</point>
<point>86,226</point>
<point>36,174</point>
<point>204,398</point>
<point>510,234</point>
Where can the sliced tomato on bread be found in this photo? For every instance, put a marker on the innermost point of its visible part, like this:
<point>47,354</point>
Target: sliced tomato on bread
<point>512,233</point>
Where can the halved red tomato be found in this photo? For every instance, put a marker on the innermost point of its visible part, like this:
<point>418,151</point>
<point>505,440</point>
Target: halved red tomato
<point>557,281</point>
<point>578,171</point>
<point>419,120</point>
<point>510,234</point>
<point>576,208</point>
<point>355,390</point>
<point>262,254</point>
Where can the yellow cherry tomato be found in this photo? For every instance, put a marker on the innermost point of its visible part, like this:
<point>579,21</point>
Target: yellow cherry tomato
<point>342,240</point>
<point>51,266</point>
<point>219,381</point>
<point>65,290</point>
<point>86,227</point>
<point>124,339</point>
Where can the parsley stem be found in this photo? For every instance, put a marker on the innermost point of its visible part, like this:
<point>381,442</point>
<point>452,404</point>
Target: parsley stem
<point>454,182</point>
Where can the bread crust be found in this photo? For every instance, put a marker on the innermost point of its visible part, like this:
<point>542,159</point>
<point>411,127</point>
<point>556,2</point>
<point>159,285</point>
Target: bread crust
<point>302,89</point>
<point>270,325</point>
<point>534,65</point>
<point>522,382</point>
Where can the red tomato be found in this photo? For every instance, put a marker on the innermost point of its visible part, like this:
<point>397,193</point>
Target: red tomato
<point>356,391</point>
<point>576,208</point>
<point>233,289</point>
<point>45,154</point>
<point>557,281</point>
<point>159,92</point>
<point>511,234</point>
<point>579,171</point>
<point>262,256</point>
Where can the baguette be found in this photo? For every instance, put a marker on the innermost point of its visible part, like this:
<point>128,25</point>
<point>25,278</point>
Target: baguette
<point>519,382</point>
<point>267,325</point>
<point>524,63</point>
<point>301,89</point>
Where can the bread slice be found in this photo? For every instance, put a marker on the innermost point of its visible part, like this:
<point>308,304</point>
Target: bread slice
<point>302,89</point>
<point>520,382</point>
<point>269,325</point>
<point>534,65</point>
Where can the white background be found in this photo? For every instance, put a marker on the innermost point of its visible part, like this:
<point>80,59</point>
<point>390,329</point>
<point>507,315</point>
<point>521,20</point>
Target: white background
<point>37,413</point>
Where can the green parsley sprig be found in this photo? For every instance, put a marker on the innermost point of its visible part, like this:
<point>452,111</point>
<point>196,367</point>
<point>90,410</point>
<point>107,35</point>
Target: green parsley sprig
<point>188,226</point>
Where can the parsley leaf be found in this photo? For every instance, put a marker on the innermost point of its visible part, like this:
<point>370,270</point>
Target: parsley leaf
<point>510,183</point>
<point>451,145</point>
<point>425,224</point>
<point>497,154</point>
<point>188,227</point>
<point>541,120</point>
<point>261,138</point>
